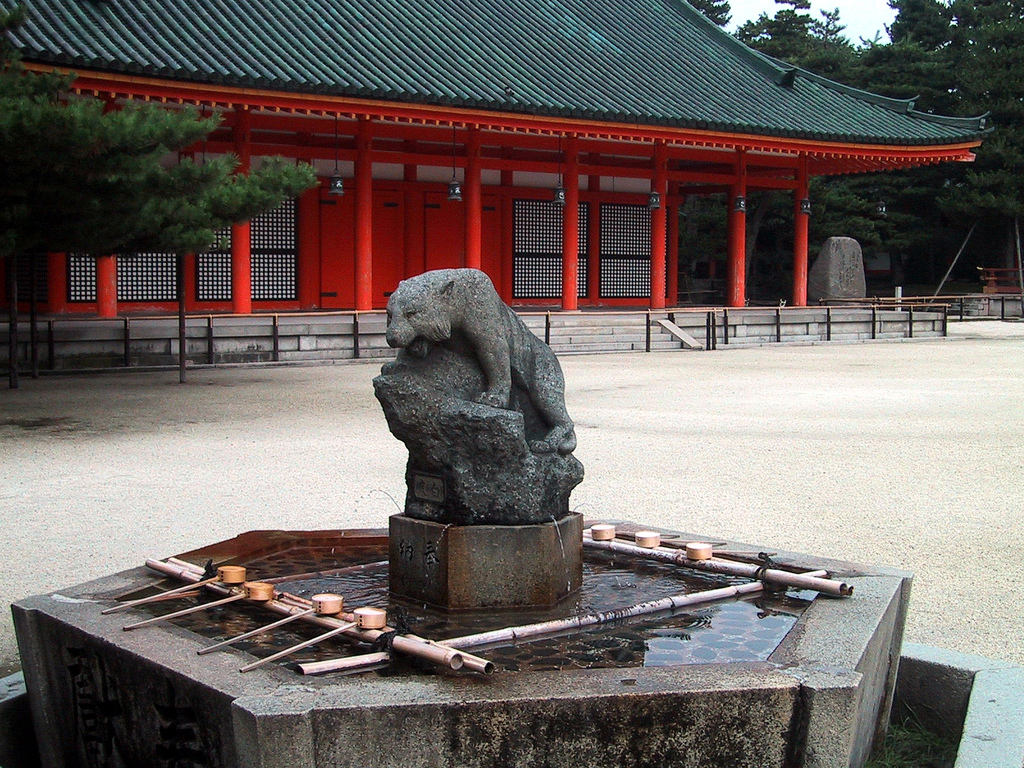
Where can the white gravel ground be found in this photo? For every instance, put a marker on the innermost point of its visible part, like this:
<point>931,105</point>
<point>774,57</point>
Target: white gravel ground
<point>901,454</point>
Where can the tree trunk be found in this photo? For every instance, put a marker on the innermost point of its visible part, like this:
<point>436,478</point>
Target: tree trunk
<point>754,221</point>
<point>181,318</point>
<point>12,320</point>
<point>33,315</point>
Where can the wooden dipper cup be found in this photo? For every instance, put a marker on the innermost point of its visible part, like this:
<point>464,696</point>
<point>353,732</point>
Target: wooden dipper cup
<point>327,604</point>
<point>231,574</point>
<point>698,550</point>
<point>602,532</point>
<point>371,618</point>
<point>648,539</point>
<point>259,591</point>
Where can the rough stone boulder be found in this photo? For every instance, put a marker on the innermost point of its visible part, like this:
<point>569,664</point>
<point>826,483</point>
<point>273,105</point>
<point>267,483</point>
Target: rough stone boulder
<point>838,272</point>
<point>471,463</point>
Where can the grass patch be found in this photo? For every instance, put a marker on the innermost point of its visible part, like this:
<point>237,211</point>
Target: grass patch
<point>910,745</point>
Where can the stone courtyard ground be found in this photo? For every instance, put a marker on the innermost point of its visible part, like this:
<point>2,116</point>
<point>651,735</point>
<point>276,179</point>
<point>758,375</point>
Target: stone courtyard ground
<point>902,454</point>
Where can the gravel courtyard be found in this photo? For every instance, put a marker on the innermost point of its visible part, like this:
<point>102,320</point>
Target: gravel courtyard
<point>901,454</point>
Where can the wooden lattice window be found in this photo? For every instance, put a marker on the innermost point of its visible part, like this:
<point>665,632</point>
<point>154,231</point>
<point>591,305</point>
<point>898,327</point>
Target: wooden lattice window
<point>147,277</point>
<point>537,247</point>
<point>625,271</point>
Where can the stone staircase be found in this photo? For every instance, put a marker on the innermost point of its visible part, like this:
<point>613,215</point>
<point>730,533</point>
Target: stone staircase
<point>590,332</point>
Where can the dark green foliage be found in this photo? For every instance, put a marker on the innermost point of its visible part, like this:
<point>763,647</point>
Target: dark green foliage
<point>75,176</point>
<point>921,22</point>
<point>716,10</point>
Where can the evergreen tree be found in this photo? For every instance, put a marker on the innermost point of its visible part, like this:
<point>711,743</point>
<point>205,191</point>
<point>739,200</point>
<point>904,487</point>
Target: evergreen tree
<point>987,54</point>
<point>922,22</point>
<point>718,11</point>
<point>77,177</point>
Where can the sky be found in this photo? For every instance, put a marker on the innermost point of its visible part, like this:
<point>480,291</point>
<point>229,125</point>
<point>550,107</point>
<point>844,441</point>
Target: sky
<point>862,18</point>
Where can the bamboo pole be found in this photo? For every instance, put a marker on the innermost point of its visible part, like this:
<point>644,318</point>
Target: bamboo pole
<point>727,567</point>
<point>360,663</point>
<point>288,604</point>
<point>540,629</point>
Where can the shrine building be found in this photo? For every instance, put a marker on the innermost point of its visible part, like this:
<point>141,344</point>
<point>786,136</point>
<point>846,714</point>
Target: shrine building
<point>549,143</point>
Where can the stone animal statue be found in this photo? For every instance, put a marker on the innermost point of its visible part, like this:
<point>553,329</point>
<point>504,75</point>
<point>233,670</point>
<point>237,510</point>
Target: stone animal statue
<point>432,307</point>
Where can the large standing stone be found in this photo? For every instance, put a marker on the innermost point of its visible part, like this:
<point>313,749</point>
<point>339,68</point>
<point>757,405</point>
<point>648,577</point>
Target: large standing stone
<point>838,272</point>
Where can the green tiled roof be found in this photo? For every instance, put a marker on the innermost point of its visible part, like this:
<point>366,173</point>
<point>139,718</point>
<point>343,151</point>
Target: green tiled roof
<point>654,62</point>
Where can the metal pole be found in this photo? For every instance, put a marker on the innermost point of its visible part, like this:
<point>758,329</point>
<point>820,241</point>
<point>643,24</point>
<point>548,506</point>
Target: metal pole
<point>127,346</point>
<point>277,339</point>
<point>209,339</point>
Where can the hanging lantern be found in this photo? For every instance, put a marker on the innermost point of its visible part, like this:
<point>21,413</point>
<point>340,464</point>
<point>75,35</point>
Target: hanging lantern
<point>805,207</point>
<point>881,209</point>
<point>739,204</point>
<point>558,197</point>
<point>654,201</point>
<point>336,186</point>
<point>454,188</point>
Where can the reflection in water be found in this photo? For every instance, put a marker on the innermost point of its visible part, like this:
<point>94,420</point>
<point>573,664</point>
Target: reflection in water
<point>734,631</point>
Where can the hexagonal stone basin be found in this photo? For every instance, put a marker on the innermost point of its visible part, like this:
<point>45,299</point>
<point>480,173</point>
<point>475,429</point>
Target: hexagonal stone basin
<point>745,682</point>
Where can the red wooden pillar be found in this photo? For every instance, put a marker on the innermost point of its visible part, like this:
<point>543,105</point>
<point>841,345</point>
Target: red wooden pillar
<point>571,226</point>
<point>672,223</point>
<point>801,225</point>
<point>364,218</point>
<point>659,185</point>
<point>190,264</point>
<point>57,282</point>
<point>736,289</point>
<point>106,286</point>
<point>474,202</point>
<point>241,247</point>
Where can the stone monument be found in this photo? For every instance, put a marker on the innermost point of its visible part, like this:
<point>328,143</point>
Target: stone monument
<point>479,401</point>
<point>838,272</point>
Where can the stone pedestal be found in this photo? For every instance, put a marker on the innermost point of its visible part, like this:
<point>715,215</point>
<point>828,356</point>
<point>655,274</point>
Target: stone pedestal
<point>465,567</point>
